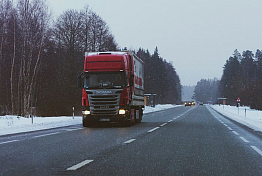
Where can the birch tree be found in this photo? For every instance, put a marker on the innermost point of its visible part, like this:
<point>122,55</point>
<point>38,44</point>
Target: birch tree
<point>5,51</point>
<point>33,22</point>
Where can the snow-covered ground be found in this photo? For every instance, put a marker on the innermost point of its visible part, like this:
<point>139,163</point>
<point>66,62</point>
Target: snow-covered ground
<point>12,124</point>
<point>244,115</point>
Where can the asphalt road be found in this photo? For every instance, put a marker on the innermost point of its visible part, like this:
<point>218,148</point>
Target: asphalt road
<point>179,141</point>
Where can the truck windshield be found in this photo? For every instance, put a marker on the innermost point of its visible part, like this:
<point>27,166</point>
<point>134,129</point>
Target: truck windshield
<point>105,80</point>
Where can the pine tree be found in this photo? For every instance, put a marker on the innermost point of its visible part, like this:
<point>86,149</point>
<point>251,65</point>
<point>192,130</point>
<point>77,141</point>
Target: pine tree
<point>230,86</point>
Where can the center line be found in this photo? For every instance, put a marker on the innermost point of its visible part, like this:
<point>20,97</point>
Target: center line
<point>72,129</point>
<point>153,129</point>
<point>163,124</point>
<point>229,128</point>
<point>235,132</point>
<point>257,150</point>
<point>170,121</point>
<point>129,141</point>
<point>8,142</point>
<point>243,139</point>
<point>77,166</point>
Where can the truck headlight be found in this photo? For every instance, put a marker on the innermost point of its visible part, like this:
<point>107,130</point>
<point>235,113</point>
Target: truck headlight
<point>86,112</point>
<point>122,111</point>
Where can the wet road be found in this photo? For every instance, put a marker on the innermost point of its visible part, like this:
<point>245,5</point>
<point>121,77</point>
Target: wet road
<point>180,141</point>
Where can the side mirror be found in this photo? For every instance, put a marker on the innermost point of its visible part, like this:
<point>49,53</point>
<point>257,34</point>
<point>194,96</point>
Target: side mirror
<point>131,81</point>
<point>80,81</point>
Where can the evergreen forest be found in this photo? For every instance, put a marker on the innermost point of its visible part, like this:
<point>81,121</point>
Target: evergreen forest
<point>241,78</point>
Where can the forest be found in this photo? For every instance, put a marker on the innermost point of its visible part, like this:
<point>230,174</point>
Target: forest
<point>242,77</point>
<point>40,59</point>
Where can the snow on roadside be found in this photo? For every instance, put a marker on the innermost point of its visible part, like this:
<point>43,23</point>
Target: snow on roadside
<point>252,118</point>
<point>12,124</point>
<point>149,109</point>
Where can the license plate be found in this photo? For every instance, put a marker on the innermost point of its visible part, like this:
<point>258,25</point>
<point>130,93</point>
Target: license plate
<point>104,120</point>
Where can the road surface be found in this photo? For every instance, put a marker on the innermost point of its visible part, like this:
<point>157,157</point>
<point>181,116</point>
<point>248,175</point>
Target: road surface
<point>179,141</point>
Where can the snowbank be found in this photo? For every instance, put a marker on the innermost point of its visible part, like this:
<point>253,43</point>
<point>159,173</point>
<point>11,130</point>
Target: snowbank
<point>13,124</point>
<point>244,115</point>
<point>149,109</point>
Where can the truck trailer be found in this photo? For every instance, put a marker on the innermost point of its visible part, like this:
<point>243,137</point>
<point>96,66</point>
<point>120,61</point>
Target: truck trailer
<point>112,88</point>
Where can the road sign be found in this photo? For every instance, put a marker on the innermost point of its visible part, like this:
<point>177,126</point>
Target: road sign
<point>238,100</point>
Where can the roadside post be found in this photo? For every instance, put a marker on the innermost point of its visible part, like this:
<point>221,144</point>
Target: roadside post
<point>32,115</point>
<point>32,108</point>
<point>238,103</point>
<point>73,112</point>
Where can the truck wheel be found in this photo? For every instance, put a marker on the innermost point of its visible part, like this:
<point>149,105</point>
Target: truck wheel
<point>127,123</point>
<point>87,123</point>
<point>140,116</point>
<point>84,124</point>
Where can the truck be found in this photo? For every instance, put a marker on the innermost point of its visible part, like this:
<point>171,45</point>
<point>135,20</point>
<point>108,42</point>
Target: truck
<point>112,88</point>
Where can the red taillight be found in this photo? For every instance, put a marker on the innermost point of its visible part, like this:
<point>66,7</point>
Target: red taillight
<point>123,97</point>
<point>85,101</point>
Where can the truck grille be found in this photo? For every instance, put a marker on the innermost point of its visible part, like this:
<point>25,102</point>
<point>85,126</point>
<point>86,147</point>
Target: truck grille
<point>104,104</point>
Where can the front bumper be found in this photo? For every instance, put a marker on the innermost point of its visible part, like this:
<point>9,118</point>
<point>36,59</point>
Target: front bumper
<point>90,117</point>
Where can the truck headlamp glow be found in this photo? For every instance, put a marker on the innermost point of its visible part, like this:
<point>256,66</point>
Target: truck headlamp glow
<point>86,112</point>
<point>122,111</point>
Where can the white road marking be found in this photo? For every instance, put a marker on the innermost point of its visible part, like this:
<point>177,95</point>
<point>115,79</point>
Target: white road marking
<point>235,132</point>
<point>230,128</point>
<point>129,141</point>
<point>45,135</point>
<point>243,139</point>
<point>226,125</point>
<point>77,128</point>
<point>8,142</point>
<point>174,118</point>
<point>257,150</point>
<point>72,129</point>
<point>170,121</point>
<point>186,112</point>
<point>163,124</point>
<point>77,166</point>
<point>153,129</point>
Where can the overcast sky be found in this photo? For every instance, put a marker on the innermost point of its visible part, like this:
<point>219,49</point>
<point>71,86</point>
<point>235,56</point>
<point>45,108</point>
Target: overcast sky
<point>197,36</point>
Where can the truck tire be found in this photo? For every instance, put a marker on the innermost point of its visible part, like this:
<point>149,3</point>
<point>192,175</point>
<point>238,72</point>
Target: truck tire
<point>140,116</point>
<point>127,123</point>
<point>87,123</point>
<point>137,120</point>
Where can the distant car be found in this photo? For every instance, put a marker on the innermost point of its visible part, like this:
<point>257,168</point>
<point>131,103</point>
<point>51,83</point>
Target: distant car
<point>188,103</point>
<point>201,103</point>
<point>193,103</point>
